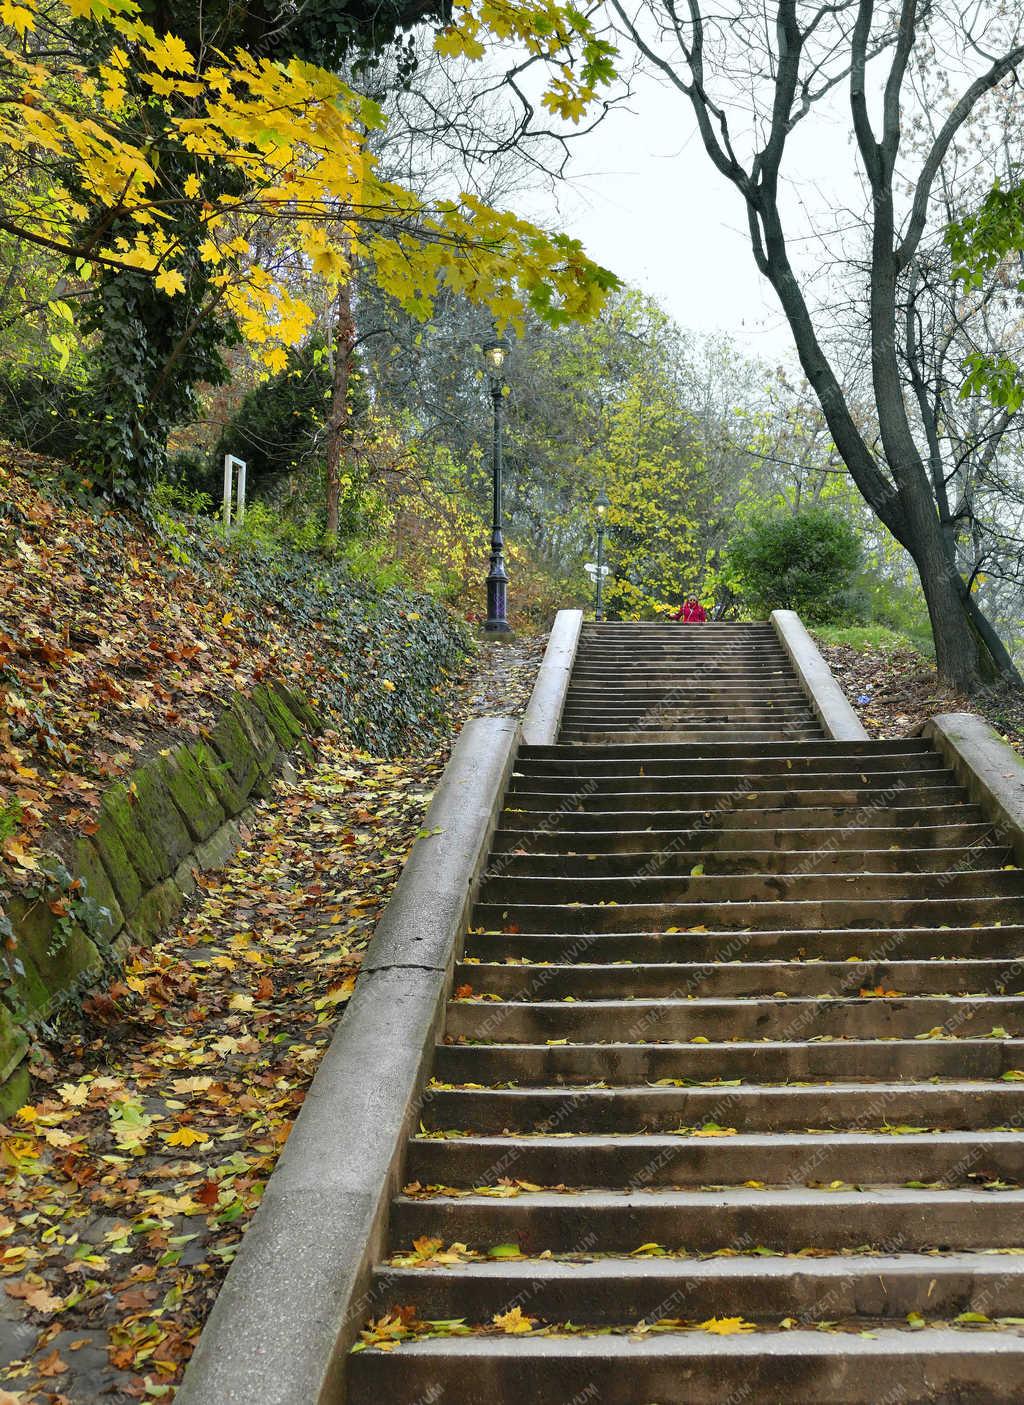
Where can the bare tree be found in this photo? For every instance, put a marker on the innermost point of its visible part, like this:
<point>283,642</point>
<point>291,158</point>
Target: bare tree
<point>787,58</point>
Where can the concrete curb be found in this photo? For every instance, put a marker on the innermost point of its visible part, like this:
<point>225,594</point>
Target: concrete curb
<point>299,1290</point>
<point>828,701</point>
<point>547,701</point>
<point>988,768</point>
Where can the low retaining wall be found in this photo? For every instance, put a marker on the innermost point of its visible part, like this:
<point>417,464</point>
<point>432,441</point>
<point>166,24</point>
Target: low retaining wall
<point>987,767</point>
<point>124,882</point>
<point>543,715</point>
<point>828,701</point>
<point>298,1291</point>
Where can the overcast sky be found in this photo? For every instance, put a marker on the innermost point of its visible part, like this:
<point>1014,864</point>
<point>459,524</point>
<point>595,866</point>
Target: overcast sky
<point>646,201</point>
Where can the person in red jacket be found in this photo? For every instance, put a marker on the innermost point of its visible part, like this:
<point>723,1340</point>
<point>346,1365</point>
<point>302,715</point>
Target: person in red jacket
<point>691,611</point>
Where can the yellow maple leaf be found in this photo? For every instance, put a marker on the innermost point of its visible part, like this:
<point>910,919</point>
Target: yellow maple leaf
<point>513,1321</point>
<point>170,281</point>
<point>18,16</point>
<point>726,1326</point>
<point>192,186</point>
<point>171,55</point>
<point>186,1136</point>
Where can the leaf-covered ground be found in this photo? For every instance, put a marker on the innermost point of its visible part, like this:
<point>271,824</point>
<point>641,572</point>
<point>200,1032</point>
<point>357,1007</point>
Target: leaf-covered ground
<point>895,691</point>
<point>116,642</point>
<point>157,1117</point>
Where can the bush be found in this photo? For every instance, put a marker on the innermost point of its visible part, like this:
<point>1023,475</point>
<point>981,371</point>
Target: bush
<point>806,562</point>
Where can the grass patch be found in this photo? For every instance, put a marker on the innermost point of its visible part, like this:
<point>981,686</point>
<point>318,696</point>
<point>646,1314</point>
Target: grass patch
<point>870,638</point>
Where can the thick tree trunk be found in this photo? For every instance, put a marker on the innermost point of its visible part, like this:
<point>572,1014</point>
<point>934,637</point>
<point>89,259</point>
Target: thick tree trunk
<point>338,422</point>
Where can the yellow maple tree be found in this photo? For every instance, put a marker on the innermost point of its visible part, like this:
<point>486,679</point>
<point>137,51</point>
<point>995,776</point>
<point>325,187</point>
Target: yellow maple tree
<point>89,149</point>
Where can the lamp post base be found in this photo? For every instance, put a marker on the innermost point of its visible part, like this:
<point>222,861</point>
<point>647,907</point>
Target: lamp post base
<point>497,596</point>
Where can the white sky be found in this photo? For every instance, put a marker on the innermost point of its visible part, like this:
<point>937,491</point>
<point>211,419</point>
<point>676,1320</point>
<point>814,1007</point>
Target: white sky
<point>646,202</point>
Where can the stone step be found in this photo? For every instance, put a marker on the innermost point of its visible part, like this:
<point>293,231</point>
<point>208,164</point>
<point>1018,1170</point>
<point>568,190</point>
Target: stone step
<point>661,751</point>
<point>700,1222</point>
<point>774,797</point>
<point>751,815</point>
<point>795,1017</point>
<point>777,945</point>
<point>761,1061</point>
<point>767,1367</point>
<point>774,1158</point>
<point>871,914</point>
<point>614,686</point>
<point>694,735</point>
<point>751,887</point>
<point>704,836</point>
<point>721,780</point>
<point>693,678</point>
<point>666,716</point>
<point>746,1108</point>
<point>569,771</point>
<point>584,980</point>
<point>674,861</point>
<point>625,1290</point>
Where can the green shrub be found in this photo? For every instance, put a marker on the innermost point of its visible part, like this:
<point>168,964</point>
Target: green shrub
<point>806,562</point>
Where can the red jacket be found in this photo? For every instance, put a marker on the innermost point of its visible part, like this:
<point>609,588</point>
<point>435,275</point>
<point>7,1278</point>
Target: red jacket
<point>691,612</point>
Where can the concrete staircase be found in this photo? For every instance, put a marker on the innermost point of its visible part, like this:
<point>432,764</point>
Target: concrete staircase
<point>727,1106</point>
<point>707,683</point>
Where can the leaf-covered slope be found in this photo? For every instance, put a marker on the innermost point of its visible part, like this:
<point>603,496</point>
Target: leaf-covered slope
<point>896,690</point>
<point>113,645</point>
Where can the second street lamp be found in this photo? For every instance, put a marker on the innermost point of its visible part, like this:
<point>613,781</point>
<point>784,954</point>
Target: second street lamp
<point>602,505</point>
<point>495,353</point>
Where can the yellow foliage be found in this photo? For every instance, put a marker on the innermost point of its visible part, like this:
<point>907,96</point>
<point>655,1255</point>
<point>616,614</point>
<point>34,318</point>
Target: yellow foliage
<point>295,137</point>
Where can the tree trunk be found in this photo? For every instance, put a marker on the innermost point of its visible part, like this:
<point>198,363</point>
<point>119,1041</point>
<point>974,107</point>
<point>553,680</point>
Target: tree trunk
<point>338,422</point>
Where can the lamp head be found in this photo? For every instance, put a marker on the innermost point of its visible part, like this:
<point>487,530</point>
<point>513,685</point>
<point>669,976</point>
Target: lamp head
<point>602,504</point>
<point>495,353</point>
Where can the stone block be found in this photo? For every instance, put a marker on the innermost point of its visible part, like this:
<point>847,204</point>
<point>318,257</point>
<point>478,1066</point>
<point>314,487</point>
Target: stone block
<point>62,961</point>
<point>87,865</point>
<point>13,1044</point>
<point>120,810</point>
<point>192,794</point>
<point>14,1093</point>
<point>118,865</point>
<point>166,830</point>
<point>215,851</point>
<point>220,778</point>
<point>185,877</point>
<point>258,732</point>
<point>299,706</point>
<point>235,748</point>
<point>157,910</point>
<point>23,988</point>
<point>286,728</point>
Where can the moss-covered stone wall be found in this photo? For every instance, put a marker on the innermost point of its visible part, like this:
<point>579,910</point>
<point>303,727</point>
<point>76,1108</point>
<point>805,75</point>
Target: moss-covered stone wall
<point>128,879</point>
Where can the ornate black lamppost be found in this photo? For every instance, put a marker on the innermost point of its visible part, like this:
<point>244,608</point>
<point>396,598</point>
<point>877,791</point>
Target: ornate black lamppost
<point>495,353</point>
<point>602,505</point>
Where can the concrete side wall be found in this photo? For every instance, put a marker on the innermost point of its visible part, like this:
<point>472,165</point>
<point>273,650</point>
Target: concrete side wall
<point>547,702</point>
<point>989,769</point>
<point>829,702</point>
<point>299,1290</point>
<point>128,880</point>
